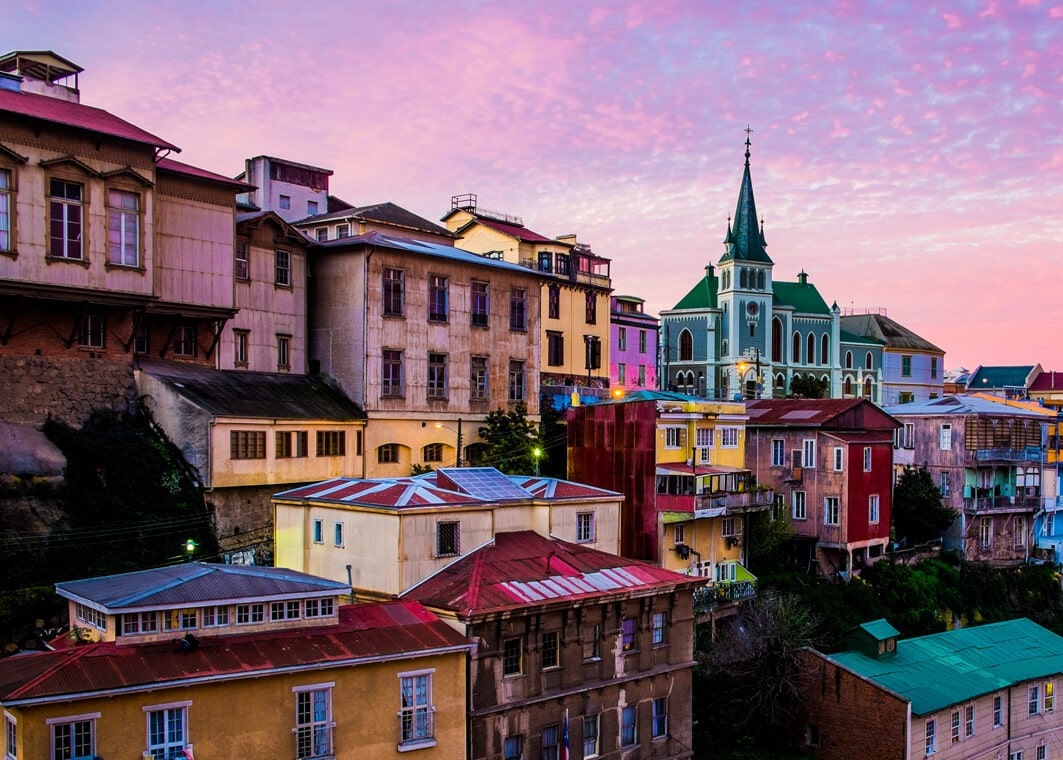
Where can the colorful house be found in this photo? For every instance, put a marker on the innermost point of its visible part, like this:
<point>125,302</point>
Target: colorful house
<point>912,367</point>
<point>965,694</point>
<point>633,345</point>
<point>831,460</point>
<point>383,536</point>
<point>226,661</point>
<point>580,653</point>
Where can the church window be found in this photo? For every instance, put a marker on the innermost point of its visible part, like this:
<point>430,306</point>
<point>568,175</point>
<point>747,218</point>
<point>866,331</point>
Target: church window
<point>848,359</point>
<point>824,350</point>
<point>797,348</point>
<point>867,361</point>
<point>760,280</point>
<point>776,340</point>
<point>810,352</point>
<point>743,279</point>
<point>686,346</point>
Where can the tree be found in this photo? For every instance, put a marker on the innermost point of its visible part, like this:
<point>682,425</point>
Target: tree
<point>808,386</point>
<point>918,514</point>
<point>512,441</point>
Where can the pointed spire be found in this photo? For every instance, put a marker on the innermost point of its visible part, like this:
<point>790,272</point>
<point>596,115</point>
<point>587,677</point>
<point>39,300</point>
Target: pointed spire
<point>748,237</point>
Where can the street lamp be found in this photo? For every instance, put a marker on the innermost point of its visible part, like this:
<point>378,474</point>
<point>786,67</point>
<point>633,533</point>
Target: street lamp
<point>441,426</point>
<point>190,548</point>
<point>537,454</point>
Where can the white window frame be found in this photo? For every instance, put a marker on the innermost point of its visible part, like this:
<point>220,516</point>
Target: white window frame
<point>930,737</point>
<point>1033,699</point>
<point>659,718</point>
<point>68,722</point>
<point>7,210</point>
<point>584,527</point>
<point>839,458</point>
<point>968,721</point>
<point>673,437</point>
<point>160,750</point>
<point>778,452</point>
<point>873,508</point>
<point>310,727</point>
<point>832,510</point>
<point>658,628</point>
<point>799,505</point>
<point>416,720</point>
<point>10,736</point>
<point>808,453</point>
<point>337,534</point>
<point>998,711</point>
<point>867,459</point>
<point>591,746</point>
<point>945,437</point>
<point>729,437</point>
<point>318,531</point>
<point>123,252</point>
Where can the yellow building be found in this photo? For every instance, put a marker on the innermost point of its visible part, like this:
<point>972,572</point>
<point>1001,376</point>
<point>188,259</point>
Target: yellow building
<point>384,536</point>
<point>228,661</point>
<point>575,294</point>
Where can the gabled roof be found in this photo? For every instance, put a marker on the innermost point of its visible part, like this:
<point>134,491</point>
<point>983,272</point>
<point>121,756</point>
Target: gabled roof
<point>384,213</point>
<point>853,413</point>
<point>365,634</point>
<point>887,331</point>
<point>744,237</point>
<point>254,220</point>
<point>942,669</point>
<point>802,296</point>
<point>56,111</point>
<point>702,295</point>
<point>518,231</point>
<point>255,394</point>
<point>556,489</point>
<point>1014,376</point>
<point>177,167</point>
<point>1047,381</point>
<point>860,340</point>
<point>194,583</point>
<point>962,405</point>
<point>522,569</point>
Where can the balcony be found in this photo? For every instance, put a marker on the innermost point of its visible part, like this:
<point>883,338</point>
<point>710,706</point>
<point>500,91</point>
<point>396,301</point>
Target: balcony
<point>987,504</point>
<point>720,593</point>
<point>742,501</point>
<point>1028,454</point>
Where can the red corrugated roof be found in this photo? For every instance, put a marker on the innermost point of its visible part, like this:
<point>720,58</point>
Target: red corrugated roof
<point>797,411</point>
<point>521,233</point>
<point>1048,381</point>
<point>365,631</point>
<point>168,164</point>
<point>522,568</point>
<point>76,115</point>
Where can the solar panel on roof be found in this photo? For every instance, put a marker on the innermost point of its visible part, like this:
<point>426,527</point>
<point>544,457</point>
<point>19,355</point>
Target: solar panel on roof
<point>482,482</point>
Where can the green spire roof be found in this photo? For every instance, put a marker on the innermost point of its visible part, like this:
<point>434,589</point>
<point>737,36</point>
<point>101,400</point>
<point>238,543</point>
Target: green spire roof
<point>744,231</point>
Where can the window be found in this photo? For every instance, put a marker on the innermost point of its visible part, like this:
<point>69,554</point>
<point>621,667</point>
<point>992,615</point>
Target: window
<point>516,380</point>
<point>679,533</point>
<point>703,442</point>
<point>906,397</point>
<point>178,620</point>
<point>343,231</point>
<point>930,744</point>
<point>590,736</point>
<point>134,623</point>
<point>279,611</point>
<point>830,510</point>
<point>291,444</point>
<point>10,737</point>
<point>285,202</point>
<point>247,614</point>
<point>551,649</point>
<point>92,332</point>
<point>331,443</point>
<point>642,341</point>
<point>311,208</point>
<point>592,646</point>
<point>64,204</point>
<point>247,444</point>
<point>592,308</point>
<point>415,714</point>
<point>867,459</point>
<point>318,531</point>
<point>621,339</point>
<point>686,346</point>
<point>955,726</point>
<point>551,742</point>
<point>627,634</point>
<point>394,292</point>
<point>387,453</point>
<point>868,361</point>
<point>518,309</point>
<point>839,458</point>
<point>906,366</point>
<point>282,269</point>
<point>241,267</point>
<point>553,301</point>
<point>240,347</point>
<point>391,380</point>
<point>998,711</point>
<point>1016,755</point>
<point>799,505</point>
<point>945,437</point>
<point>729,437</point>
<point>872,508</point>
<point>584,527</point>
<point>1042,752</point>
<point>943,483</point>
<point>513,748</point>
<point>123,228</point>
<point>337,534</point>
<point>512,657</point>
<point>674,437</point>
<point>284,351</point>
<point>437,298</point>
<point>562,263</point>
<point>319,608</point>
<point>7,207</point>
<point>448,539</point>
<point>184,340</point>
<point>437,376</point>
<point>660,717</point>
<point>1034,702</point>
<point>546,261</point>
<point>778,452</point>
<point>167,727</point>
<point>1048,692</point>
<point>968,721</point>
<point>933,367</point>
<point>642,375</point>
<point>808,453</point>
<point>727,527</point>
<point>313,721</point>
<point>985,532</point>
<point>140,338</point>
<point>432,452</point>
<point>321,234</point>
<point>478,378</point>
<point>72,738</point>
<point>555,348</point>
<point>628,724</point>
<point>479,306</point>
<point>657,628</point>
<point>908,435</point>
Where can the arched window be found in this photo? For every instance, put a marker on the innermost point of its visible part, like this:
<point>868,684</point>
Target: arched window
<point>810,353</point>
<point>848,386</point>
<point>796,358</point>
<point>867,361</point>
<point>826,383</point>
<point>723,347</point>
<point>780,384</point>
<point>760,280</point>
<point>743,278</point>
<point>869,389</point>
<point>726,279</point>
<point>776,340</point>
<point>824,350</point>
<point>848,359</point>
<point>686,346</point>
<point>474,452</point>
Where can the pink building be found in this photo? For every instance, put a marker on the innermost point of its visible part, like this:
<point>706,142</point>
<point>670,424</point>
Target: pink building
<point>633,344</point>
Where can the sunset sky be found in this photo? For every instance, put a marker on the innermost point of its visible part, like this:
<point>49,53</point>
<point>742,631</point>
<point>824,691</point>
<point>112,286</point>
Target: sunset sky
<point>908,156</point>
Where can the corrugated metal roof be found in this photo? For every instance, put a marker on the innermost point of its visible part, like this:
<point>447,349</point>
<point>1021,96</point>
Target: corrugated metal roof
<point>999,377</point>
<point>888,331</point>
<point>1047,381</point>
<point>385,213</point>
<point>517,231</point>
<point>948,668</point>
<point>194,582</point>
<point>437,250</point>
<point>557,489</point>
<point>391,629</point>
<point>521,568</point>
<point>76,115</point>
<point>177,167</point>
<point>255,394</point>
<point>880,629</point>
<point>949,406</point>
<point>781,411</point>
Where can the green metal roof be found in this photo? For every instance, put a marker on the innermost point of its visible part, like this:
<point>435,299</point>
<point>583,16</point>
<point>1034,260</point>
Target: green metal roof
<point>803,297</point>
<point>999,377</point>
<point>848,337</point>
<point>933,672</point>
<point>702,295</point>
<point>880,629</point>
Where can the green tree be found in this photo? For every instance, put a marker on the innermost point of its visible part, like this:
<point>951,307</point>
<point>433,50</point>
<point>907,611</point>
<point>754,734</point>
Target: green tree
<point>513,443</point>
<point>807,386</point>
<point>918,514</point>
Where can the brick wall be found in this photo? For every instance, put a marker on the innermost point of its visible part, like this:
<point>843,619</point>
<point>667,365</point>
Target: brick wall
<point>34,388</point>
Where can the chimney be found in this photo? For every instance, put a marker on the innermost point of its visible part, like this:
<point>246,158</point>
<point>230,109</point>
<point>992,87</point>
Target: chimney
<point>709,271</point>
<point>802,277</point>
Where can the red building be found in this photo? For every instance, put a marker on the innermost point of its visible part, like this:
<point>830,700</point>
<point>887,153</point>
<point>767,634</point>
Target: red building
<point>831,462</point>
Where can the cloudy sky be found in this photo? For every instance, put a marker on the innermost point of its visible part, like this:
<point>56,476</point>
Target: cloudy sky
<point>908,156</point>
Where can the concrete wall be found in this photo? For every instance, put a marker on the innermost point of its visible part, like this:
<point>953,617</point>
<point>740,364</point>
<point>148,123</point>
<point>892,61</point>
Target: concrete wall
<point>36,388</point>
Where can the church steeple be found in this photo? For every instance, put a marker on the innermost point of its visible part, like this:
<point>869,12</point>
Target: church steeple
<point>744,232</point>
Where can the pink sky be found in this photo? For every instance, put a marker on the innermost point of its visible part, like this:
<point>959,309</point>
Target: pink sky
<point>908,156</point>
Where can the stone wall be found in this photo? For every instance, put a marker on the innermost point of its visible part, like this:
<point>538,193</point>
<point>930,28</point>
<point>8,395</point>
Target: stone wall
<point>34,388</point>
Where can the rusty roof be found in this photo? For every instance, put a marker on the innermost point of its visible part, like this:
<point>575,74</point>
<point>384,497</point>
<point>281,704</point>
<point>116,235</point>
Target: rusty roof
<point>384,213</point>
<point>44,108</point>
<point>792,411</point>
<point>369,632</point>
<point>178,167</point>
<point>522,568</point>
<point>518,231</point>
